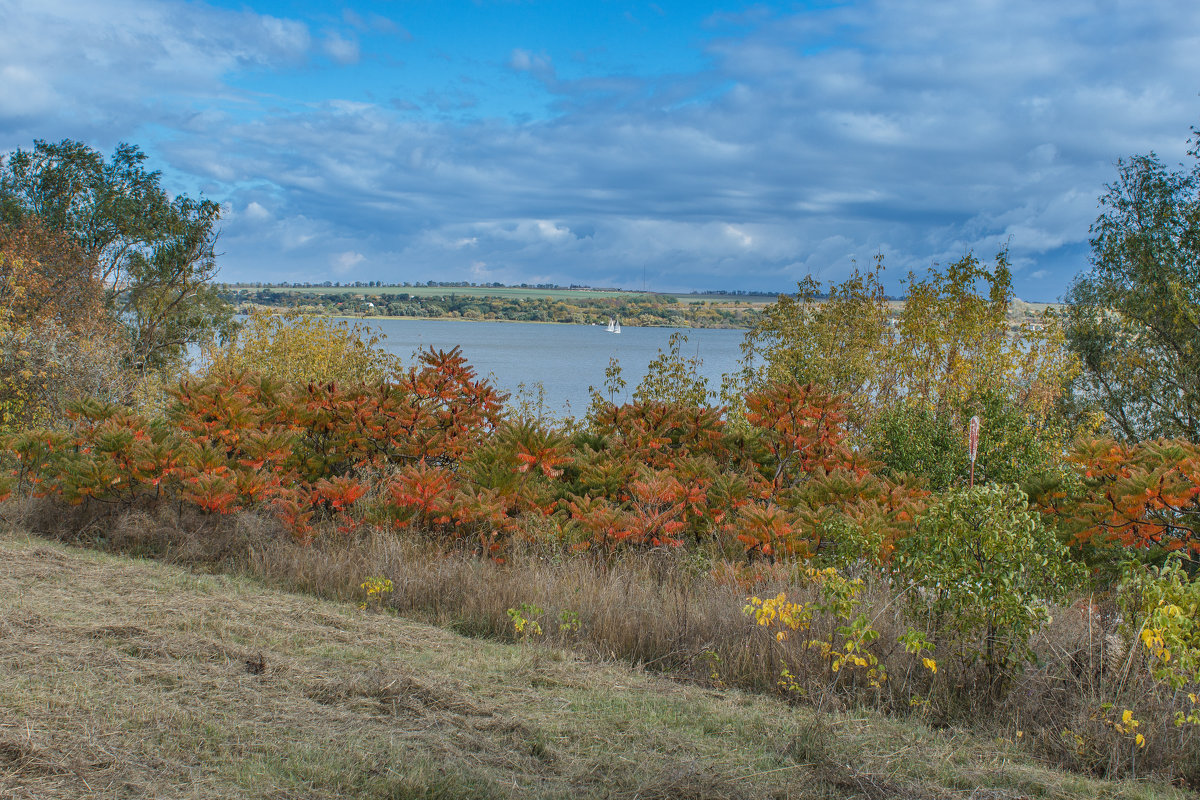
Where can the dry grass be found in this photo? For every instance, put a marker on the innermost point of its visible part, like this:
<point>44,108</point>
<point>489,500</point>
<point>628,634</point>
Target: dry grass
<point>665,613</point>
<point>127,678</point>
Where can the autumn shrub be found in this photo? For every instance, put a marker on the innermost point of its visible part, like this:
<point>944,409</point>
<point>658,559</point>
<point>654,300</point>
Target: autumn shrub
<point>239,440</point>
<point>979,572</point>
<point>56,343</point>
<point>1142,498</point>
<point>912,375</point>
<point>525,460</point>
<point>655,433</point>
<point>297,348</point>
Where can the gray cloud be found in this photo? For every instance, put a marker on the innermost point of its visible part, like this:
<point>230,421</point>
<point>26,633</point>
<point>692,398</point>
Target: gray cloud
<point>810,140</point>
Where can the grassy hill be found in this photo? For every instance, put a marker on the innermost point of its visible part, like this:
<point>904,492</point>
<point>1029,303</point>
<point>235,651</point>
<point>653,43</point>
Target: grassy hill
<point>128,678</point>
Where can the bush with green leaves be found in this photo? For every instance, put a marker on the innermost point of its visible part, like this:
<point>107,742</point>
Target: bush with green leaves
<point>982,569</point>
<point>672,377</point>
<point>917,440</point>
<point>910,439</point>
<point>1160,606</point>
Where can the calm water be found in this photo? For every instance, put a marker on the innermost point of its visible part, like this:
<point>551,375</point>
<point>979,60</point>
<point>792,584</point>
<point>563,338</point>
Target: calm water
<point>564,359</point>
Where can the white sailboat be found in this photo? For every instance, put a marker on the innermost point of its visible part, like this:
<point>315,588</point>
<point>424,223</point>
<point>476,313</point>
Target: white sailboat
<point>610,327</point>
<point>617,327</point>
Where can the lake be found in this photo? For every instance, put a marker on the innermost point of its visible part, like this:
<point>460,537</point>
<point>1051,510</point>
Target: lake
<point>564,359</point>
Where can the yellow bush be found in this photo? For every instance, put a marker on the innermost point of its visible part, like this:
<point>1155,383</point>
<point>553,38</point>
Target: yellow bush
<point>295,347</point>
<point>56,344</point>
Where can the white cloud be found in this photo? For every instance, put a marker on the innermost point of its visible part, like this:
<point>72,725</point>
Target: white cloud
<point>344,262</point>
<point>538,65</point>
<point>256,212</point>
<point>23,93</point>
<point>807,140</point>
<point>110,67</point>
<point>343,50</point>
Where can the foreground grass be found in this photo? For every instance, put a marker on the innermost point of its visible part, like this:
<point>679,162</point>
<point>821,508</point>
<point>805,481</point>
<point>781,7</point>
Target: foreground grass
<point>127,678</point>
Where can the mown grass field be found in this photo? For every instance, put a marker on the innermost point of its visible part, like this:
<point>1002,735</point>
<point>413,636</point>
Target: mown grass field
<point>127,678</point>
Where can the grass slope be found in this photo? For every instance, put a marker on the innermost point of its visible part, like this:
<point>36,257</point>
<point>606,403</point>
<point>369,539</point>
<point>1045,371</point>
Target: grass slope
<point>127,678</point>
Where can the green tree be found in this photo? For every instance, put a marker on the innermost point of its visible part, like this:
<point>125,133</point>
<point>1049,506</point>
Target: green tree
<point>152,253</point>
<point>983,568</point>
<point>915,372</point>
<point>1134,317</point>
<point>672,377</point>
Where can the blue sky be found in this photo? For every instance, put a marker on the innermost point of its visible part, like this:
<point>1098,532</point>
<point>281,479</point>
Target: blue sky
<point>703,144</point>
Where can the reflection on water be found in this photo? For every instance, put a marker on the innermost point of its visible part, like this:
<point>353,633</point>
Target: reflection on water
<point>564,359</point>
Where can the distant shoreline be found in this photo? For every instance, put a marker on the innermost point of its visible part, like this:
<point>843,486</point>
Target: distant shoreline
<point>390,317</point>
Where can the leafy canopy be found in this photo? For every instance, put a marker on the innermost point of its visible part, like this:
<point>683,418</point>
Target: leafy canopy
<point>913,373</point>
<point>152,253</point>
<point>984,567</point>
<point>298,348</point>
<point>1134,317</point>
<point>672,377</point>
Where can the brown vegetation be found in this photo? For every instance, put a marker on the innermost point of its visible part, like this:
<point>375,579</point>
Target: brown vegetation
<point>681,615</point>
<point>122,678</point>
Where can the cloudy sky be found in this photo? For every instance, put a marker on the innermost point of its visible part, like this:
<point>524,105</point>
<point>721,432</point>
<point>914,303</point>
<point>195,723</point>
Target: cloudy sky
<point>703,144</point>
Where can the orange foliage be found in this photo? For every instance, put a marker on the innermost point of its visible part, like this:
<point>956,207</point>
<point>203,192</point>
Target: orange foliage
<point>801,428</point>
<point>648,475</point>
<point>1137,495</point>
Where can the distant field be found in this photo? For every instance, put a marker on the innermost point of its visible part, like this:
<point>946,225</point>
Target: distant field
<point>742,299</point>
<point>518,293</point>
<point>462,291</point>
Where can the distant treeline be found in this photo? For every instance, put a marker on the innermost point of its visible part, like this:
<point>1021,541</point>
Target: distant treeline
<point>474,285</point>
<point>403,284</point>
<point>637,310</point>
